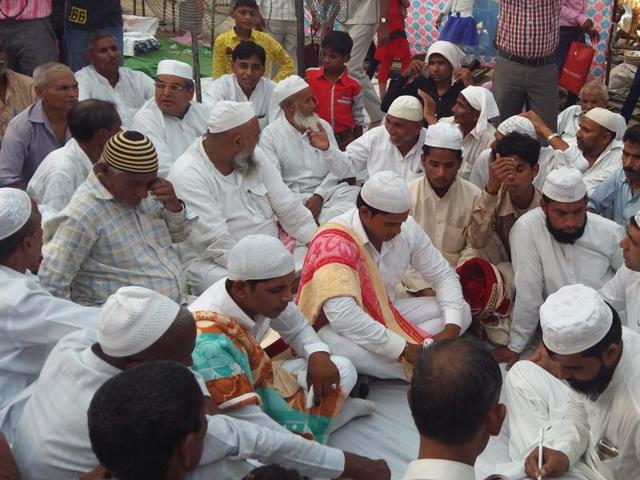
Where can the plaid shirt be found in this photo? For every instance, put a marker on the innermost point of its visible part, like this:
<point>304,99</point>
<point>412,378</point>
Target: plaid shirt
<point>528,28</point>
<point>24,9</point>
<point>100,245</point>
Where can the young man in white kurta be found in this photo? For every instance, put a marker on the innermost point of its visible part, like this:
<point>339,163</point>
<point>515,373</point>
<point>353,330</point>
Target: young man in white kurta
<point>172,119</point>
<point>233,205</point>
<point>301,165</point>
<point>395,146</point>
<point>542,264</point>
<point>576,424</point>
<point>31,319</point>
<point>105,80</point>
<point>91,123</point>
<point>621,292</point>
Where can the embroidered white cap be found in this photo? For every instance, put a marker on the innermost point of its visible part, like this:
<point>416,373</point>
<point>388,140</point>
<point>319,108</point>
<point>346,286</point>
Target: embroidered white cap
<point>444,135</point>
<point>604,118</point>
<point>174,67</point>
<point>259,257</point>
<point>133,319</point>
<point>15,210</point>
<point>226,115</point>
<point>564,185</point>
<point>407,107</point>
<point>387,192</point>
<point>574,319</point>
<point>287,87</point>
<point>518,124</point>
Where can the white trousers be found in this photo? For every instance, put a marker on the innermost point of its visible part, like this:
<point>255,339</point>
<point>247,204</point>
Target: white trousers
<point>423,312</point>
<point>285,32</point>
<point>362,36</point>
<point>535,399</point>
<point>343,198</point>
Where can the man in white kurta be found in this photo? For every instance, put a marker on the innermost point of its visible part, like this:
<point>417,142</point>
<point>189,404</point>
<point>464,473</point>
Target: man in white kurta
<point>621,292</point>
<point>235,191</point>
<point>172,119</point>
<point>395,146</point>
<point>591,427</point>
<point>53,439</point>
<point>558,244</point>
<point>105,79</point>
<point>91,123</point>
<point>301,165</point>
<point>31,319</point>
<point>351,331</point>
<point>246,83</point>
<point>442,201</point>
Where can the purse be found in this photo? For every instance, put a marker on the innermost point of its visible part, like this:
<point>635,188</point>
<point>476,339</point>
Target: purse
<point>576,67</point>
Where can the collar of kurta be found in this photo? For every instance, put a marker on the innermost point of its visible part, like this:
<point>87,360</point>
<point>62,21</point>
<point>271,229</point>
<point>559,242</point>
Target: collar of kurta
<point>507,207</point>
<point>437,469</point>
<point>37,113</point>
<point>417,145</point>
<point>103,79</point>
<point>97,188</point>
<point>227,306</point>
<point>614,145</point>
<point>358,228</point>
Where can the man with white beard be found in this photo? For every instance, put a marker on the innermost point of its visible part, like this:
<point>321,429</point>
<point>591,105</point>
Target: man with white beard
<point>236,191</point>
<point>300,164</point>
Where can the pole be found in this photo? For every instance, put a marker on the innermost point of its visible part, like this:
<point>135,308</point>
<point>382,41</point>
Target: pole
<point>300,35</point>
<point>612,32</point>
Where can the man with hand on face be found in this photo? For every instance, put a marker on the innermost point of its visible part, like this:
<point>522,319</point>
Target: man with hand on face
<point>352,270</point>
<point>441,77</point>
<point>301,165</point>
<point>395,146</point>
<point>105,79</point>
<point>621,292</point>
<point>443,202</point>
<point>590,426</point>
<point>111,234</point>
<point>555,245</point>
<point>246,83</point>
<point>172,120</point>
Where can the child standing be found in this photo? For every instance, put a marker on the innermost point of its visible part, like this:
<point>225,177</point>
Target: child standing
<point>338,95</point>
<point>395,46</point>
<point>245,14</point>
<point>461,27</point>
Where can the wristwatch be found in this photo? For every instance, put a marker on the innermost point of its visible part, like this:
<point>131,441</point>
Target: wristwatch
<point>383,19</point>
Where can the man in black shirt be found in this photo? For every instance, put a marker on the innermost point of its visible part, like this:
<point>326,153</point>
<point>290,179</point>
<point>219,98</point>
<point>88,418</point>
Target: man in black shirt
<point>446,78</point>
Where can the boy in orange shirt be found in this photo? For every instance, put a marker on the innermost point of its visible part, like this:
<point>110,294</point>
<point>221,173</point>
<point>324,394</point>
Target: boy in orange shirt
<point>338,95</point>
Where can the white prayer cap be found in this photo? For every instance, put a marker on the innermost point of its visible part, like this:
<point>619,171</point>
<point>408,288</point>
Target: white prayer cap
<point>448,50</point>
<point>444,135</point>
<point>226,115</point>
<point>520,124</point>
<point>407,107</point>
<point>259,257</point>
<point>564,184</point>
<point>15,210</point>
<point>133,319</point>
<point>387,192</point>
<point>174,67</point>
<point>637,218</point>
<point>574,319</point>
<point>604,118</point>
<point>481,100</point>
<point>287,87</point>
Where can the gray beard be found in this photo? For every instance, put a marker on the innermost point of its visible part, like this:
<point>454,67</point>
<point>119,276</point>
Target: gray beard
<point>308,123</point>
<point>244,163</point>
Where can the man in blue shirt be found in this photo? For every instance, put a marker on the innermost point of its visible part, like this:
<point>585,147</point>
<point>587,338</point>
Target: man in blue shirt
<point>618,196</point>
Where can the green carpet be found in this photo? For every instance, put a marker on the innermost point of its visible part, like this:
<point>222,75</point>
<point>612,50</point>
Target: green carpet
<point>148,62</point>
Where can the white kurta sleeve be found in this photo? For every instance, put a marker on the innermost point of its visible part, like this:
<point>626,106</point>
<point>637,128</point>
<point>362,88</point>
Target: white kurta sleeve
<point>427,260</point>
<point>614,292</point>
<point>571,434</point>
<point>242,440</point>
<point>294,217</point>
<point>298,333</point>
<point>58,190</point>
<point>529,283</point>
<point>350,162</point>
<point>349,320</point>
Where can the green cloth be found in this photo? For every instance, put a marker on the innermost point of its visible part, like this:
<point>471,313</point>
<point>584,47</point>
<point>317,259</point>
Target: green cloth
<point>148,62</point>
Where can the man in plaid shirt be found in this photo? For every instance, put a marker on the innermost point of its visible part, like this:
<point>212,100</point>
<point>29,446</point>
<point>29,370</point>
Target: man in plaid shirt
<point>526,73</point>
<point>112,234</point>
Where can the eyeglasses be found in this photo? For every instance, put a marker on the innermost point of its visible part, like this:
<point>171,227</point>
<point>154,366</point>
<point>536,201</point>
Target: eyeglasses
<point>172,87</point>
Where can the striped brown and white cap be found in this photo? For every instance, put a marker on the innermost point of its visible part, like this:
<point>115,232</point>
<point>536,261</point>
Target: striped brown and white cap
<point>131,152</point>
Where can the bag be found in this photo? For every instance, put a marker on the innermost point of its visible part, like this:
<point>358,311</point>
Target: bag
<point>576,67</point>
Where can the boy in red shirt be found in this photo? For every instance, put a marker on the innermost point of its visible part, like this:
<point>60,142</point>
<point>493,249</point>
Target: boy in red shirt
<point>338,95</point>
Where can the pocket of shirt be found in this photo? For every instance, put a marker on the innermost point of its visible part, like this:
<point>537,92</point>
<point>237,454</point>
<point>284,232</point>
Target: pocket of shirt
<point>257,195</point>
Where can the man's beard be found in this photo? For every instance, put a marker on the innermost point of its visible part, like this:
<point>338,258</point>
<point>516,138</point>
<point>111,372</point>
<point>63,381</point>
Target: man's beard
<point>564,237</point>
<point>244,162</point>
<point>308,122</point>
<point>592,389</point>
